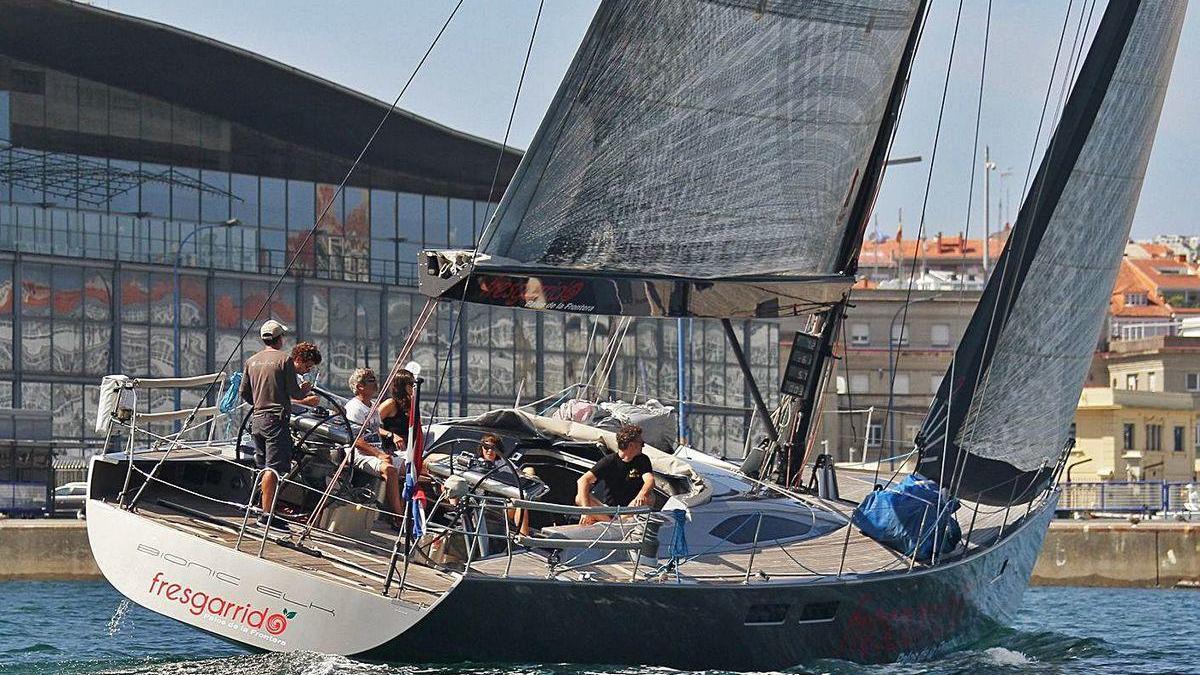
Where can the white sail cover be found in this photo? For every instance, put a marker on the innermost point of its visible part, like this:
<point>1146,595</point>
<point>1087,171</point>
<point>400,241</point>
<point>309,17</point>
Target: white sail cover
<point>1001,418</point>
<point>706,139</point>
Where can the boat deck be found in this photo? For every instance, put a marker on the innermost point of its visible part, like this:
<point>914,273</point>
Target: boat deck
<point>364,564</point>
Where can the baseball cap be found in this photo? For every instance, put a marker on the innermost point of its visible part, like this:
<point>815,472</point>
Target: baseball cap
<point>272,329</point>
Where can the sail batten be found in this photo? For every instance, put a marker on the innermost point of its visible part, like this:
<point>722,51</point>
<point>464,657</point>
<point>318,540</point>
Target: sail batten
<point>1001,416</point>
<point>708,140</point>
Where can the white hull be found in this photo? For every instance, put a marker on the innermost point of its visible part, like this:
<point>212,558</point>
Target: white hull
<point>237,596</point>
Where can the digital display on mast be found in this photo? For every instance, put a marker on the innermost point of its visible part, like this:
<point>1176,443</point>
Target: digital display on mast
<point>799,370</point>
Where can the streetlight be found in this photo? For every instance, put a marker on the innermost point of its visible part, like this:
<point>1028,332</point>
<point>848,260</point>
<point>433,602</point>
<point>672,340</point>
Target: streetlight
<point>988,167</point>
<point>892,339</point>
<point>232,222</point>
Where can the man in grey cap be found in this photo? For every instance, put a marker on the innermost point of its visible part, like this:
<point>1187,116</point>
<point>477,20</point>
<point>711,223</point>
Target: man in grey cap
<point>269,385</point>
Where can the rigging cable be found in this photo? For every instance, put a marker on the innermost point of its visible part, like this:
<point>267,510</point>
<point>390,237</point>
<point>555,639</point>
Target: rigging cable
<point>462,307</point>
<point>987,33</point>
<point>920,230</point>
<point>982,378</point>
<point>303,246</point>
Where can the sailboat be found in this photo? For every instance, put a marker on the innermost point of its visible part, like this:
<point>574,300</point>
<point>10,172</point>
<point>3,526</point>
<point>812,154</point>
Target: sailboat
<point>700,159</point>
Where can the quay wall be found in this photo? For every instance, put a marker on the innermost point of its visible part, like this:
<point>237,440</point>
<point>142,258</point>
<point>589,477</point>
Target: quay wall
<point>1120,554</point>
<point>1076,553</point>
<point>45,549</point>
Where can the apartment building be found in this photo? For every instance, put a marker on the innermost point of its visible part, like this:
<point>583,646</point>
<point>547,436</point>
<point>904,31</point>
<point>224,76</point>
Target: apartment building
<point>880,335</point>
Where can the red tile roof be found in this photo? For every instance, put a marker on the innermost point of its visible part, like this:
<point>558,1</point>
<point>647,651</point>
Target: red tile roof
<point>1146,276</point>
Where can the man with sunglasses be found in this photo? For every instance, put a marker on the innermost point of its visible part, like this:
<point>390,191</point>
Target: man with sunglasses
<point>368,457</point>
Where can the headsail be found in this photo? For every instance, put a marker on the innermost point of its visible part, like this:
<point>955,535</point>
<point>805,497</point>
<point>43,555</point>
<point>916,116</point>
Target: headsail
<point>728,143</point>
<point>1001,416</point>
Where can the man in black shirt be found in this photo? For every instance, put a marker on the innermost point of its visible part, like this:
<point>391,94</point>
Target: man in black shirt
<point>627,475</point>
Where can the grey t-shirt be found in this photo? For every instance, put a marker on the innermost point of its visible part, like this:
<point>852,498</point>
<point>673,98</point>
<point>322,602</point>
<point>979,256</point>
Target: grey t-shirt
<point>356,411</point>
<point>269,381</point>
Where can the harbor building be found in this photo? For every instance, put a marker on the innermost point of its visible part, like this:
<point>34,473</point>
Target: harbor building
<point>879,334</point>
<point>1167,364</point>
<point>1131,435</point>
<point>155,183</point>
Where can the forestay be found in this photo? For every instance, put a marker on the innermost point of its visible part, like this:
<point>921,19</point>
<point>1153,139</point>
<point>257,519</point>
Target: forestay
<point>1002,413</point>
<point>708,141</point>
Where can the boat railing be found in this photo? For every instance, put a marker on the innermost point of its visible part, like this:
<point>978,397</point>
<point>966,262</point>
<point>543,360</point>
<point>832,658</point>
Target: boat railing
<point>622,539</point>
<point>404,549</point>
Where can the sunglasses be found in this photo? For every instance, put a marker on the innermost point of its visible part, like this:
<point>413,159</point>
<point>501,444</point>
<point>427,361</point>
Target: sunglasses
<point>488,446</point>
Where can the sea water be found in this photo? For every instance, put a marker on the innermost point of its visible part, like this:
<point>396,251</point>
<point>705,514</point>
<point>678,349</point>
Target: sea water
<point>87,627</point>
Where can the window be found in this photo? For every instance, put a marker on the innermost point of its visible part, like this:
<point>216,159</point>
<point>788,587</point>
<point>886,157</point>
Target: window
<point>939,335</point>
<point>1177,441</point>
<point>1151,381</point>
<point>741,529</point>
<point>1193,382</point>
<point>766,615</point>
<point>859,383</point>
<point>860,334</point>
<point>875,435</point>
<point>1153,437</point>
<point>819,612</point>
<point>841,384</point>
<point>900,385</point>
<point>935,383</point>
<point>900,334</point>
<point>1131,382</point>
<point>1127,437</point>
<point>1136,299</point>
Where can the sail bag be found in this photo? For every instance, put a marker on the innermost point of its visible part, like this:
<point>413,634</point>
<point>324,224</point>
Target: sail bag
<point>912,517</point>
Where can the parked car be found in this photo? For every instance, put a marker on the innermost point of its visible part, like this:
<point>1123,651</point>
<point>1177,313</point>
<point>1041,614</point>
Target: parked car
<point>70,498</point>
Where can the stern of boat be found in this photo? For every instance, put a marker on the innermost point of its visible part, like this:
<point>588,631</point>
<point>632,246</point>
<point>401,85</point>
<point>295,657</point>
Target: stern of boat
<point>238,585</point>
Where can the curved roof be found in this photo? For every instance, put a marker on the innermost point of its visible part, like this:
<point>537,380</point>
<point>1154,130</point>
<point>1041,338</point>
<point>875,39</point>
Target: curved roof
<point>218,79</point>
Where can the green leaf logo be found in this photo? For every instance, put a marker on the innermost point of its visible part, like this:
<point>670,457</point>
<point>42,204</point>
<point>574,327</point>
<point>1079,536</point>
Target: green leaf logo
<point>290,615</point>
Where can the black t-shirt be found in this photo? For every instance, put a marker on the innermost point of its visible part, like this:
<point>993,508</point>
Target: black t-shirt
<point>396,424</point>
<point>622,480</point>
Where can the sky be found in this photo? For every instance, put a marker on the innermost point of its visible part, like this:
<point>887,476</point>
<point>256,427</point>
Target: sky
<point>470,80</point>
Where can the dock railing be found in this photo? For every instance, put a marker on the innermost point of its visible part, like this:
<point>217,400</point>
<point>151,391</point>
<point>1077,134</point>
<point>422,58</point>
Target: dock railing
<point>1129,497</point>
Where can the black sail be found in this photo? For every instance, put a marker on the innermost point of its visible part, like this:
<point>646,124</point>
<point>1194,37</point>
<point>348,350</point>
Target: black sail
<point>1002,413</point>
<point>708,141</point>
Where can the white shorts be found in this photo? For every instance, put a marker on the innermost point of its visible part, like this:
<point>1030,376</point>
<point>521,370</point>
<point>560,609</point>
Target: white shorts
<point>370,464</point>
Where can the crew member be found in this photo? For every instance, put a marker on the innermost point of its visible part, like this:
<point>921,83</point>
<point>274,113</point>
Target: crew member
<point>367,457</point>
<point>270,384</point>
<point>491,455</point>
<point>627,476</point>
<point>394,412</point>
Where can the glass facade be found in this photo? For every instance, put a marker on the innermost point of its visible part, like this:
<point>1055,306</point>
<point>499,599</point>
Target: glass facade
<point>105,193</point>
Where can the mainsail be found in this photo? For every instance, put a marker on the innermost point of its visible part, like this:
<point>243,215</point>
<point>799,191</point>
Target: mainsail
<point>1000,420</point>
<point>728,144</point>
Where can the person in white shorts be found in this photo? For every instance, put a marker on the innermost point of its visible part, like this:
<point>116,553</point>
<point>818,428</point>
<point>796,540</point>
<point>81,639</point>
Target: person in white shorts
<point>368,457</point>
